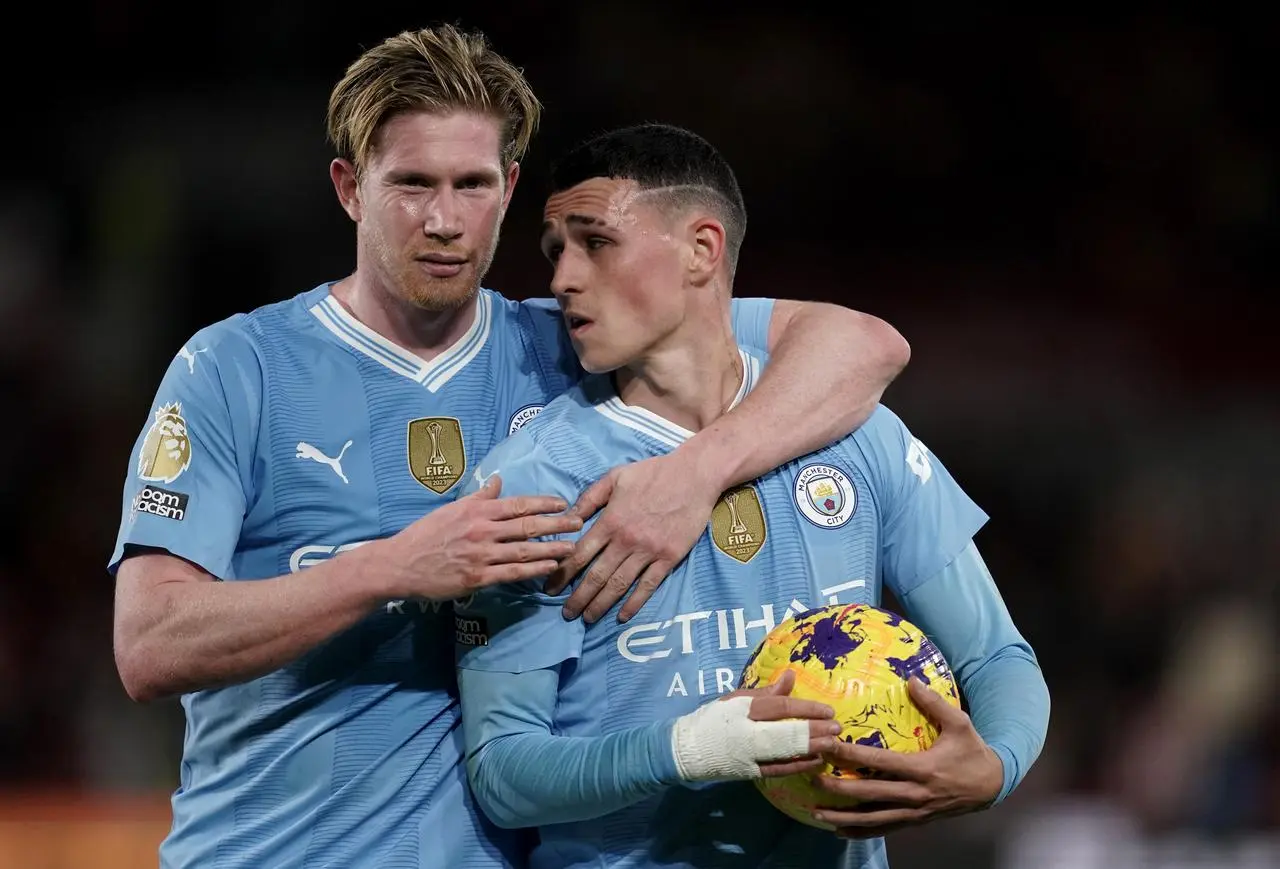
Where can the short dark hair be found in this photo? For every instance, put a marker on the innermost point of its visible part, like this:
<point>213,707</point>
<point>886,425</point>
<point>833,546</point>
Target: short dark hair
<point>685,168</point>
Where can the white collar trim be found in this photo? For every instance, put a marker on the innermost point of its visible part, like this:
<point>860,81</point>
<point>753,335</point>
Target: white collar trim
<point>661,429</point>
<point>432,374</point>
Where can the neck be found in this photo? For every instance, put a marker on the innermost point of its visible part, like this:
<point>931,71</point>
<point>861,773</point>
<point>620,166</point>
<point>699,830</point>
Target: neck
<point>691,379</point>
<point>422,332</point>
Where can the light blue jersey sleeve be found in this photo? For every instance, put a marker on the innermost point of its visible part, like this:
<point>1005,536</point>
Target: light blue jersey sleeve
<point>926,518</point>
<point>933,567</point>
<point>185,491</point>
<point>751,318</point>
<point>961,610</point>
<point>511,643</point>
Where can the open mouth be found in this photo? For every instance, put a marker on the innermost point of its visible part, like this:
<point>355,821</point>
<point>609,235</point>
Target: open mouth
<point>577,324</point>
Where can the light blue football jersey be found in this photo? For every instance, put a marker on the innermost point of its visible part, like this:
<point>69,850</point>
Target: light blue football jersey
<point>873,510</point>
<point>278,439</point>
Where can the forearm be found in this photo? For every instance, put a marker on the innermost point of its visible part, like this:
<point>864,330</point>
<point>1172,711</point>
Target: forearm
<point>525,775</point>
<point>826,373</point>
<point>1009,707</point>
<point>194,634</point>
<point>961,610</point>
<point>531,779</point>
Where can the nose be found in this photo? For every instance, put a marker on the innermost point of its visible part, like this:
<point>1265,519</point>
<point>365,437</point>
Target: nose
<point>442,220</point>
<point>567,278</point>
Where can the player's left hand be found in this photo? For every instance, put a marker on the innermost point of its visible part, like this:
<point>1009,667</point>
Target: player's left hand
<point>959,773</point>
<point>654,512</point>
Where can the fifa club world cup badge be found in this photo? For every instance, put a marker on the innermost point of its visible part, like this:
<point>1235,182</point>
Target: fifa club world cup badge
<point>437,456</point>
<point>737,524</point>
<point>825,495</point>
<point>166,450</point>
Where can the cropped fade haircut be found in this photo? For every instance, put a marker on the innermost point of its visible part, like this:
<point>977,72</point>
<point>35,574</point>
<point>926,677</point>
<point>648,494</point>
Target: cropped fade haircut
<point>677,166</point>
<point>437,69</point>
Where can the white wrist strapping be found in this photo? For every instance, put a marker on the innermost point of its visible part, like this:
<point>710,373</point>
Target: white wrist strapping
<point>719,741</point>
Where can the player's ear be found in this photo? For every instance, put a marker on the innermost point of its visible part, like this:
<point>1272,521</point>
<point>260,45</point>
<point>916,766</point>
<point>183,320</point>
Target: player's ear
<point>345,183</point>
<point>707,245</point>
<point>513,175</point>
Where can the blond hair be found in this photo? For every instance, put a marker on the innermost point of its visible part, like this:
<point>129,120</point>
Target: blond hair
<point>440,69</point>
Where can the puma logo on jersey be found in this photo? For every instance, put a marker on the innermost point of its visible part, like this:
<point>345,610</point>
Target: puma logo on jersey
<point>918,460</point>
<point>306,451</point>
<point>189,356</point>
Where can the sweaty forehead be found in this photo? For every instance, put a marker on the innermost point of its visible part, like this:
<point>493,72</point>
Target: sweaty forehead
<point>434,142</point>
<point>608,201</point>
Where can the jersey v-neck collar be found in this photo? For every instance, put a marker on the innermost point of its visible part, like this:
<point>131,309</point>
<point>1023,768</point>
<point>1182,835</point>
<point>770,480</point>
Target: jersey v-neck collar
<point>432,374</point>
<point>660,428</point>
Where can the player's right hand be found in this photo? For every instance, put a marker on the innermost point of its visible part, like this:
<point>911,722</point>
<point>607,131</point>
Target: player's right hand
<point>477,541</point>
<point>775,703</point>
<point>752,733</point>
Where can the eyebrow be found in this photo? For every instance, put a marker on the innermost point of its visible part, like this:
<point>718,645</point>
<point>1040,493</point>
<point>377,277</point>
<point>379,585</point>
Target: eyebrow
<point>579,219</point>
<point>400,176</point>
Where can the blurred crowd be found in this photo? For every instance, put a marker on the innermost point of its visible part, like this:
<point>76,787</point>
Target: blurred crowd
<point>1072,221</point>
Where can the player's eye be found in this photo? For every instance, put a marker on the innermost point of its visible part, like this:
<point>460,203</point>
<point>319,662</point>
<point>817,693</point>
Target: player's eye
<point>552,252</point>
<point>595,242</point>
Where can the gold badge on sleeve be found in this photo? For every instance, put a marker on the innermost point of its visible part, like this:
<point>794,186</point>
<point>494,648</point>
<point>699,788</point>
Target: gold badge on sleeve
<point>166,450</point>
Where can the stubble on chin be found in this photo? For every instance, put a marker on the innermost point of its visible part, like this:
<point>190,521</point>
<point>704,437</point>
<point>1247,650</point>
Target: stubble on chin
<point>442,295</point>
<point>439,297</point>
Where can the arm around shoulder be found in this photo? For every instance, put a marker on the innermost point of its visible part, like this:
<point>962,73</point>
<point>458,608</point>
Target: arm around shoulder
<point>883,347</point>
<point>827,370</point>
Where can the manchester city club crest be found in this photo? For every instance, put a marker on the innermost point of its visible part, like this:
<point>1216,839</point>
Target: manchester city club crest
<point>523,415</point>
<point>825,495</point>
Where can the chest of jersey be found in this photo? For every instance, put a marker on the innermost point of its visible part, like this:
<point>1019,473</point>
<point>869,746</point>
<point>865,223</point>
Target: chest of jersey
<point>357,452</point>
<point>803,536</point>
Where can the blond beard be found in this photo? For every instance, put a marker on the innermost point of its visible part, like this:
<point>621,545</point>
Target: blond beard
<point>440,295</point>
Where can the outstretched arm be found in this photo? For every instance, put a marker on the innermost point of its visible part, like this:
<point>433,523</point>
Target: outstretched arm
<point>828,367</point>
<point>523,774</point>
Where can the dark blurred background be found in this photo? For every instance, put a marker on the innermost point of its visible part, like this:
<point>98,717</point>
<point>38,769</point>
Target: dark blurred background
<point>1073,220</point>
